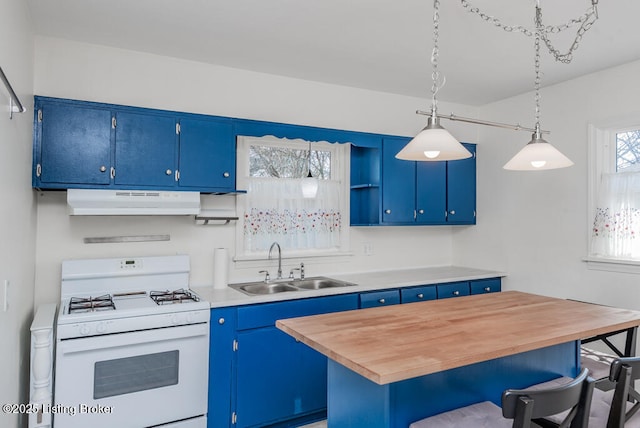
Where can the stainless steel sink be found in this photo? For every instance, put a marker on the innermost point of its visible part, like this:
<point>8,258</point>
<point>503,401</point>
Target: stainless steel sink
<point>283,286</point>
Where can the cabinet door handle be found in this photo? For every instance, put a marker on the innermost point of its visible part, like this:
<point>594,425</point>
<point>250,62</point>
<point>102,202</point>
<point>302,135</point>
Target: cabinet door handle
<point>452,212</point>
<point>387,211</point>
<point>487,289</point>
<point>381,301</point>
<point>103,168</point>
<point>226,174</point>
<point>221,321</point>
<point>420,296</point>
<point>420,211</point>
<point>168,172</point>
<point>456,293</point>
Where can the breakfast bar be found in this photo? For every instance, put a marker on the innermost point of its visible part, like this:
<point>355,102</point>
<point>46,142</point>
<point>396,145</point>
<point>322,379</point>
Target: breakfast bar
<point>390,366</point>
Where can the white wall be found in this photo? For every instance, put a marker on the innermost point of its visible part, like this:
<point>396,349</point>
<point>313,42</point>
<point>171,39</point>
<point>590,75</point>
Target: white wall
<point>534,224</point>
<point>88,72</point>
<point>17,210</point>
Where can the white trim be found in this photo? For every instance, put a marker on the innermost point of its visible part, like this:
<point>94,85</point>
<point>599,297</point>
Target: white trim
<point>613,265</point>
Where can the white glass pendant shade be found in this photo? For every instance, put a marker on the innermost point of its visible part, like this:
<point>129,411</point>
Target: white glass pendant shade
<point>309,187</point>
<point>433,143</point>
<point>538,155</point>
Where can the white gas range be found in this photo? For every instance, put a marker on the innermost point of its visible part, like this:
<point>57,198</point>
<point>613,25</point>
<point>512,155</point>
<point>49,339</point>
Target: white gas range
<point>132,345</point>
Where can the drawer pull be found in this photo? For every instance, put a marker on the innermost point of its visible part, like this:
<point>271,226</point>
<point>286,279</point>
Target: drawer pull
<point>456,293</point>
<point>226,174</point>
<point>487,289</point>
<point>420,296</point>
<point>387,211</point>
<point>221,321</point>
<point>381,301</point>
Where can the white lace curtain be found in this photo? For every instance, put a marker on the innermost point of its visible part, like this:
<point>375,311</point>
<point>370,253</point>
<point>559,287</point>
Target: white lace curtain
<point>276,211</point>
<point>616,227</point>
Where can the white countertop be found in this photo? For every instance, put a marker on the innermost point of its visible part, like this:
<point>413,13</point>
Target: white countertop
<point>366,281</point>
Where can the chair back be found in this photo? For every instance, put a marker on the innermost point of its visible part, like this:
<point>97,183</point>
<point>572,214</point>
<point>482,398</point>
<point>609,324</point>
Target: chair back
<point>573,398</point>
<point>624,372</point>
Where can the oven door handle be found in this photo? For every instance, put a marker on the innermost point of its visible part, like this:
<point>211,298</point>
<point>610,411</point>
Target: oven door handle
<point>93,343</point>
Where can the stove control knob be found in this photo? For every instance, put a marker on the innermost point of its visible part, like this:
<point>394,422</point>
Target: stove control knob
<point>84,329</point>
<point>101,327</point>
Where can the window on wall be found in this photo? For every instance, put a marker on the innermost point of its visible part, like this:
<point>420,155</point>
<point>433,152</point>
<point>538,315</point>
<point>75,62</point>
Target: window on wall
<point>274,208</point>
<point>615,194</point>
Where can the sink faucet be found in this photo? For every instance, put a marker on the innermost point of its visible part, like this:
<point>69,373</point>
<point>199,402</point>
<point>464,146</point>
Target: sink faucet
<point>275,244</point>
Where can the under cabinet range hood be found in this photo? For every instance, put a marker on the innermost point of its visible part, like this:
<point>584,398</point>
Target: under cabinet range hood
<point>132,202</point>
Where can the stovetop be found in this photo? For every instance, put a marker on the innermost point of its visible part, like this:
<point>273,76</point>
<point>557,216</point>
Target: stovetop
<point>108,289</point>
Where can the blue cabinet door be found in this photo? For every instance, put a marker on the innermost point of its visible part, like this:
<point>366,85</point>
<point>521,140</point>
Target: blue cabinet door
<point>207,154</point>
<point>431,192</point>
<point>461,189</point>
<point>146,150</point>
<point>74,144</point>
<point>398,184</point>
<point>222,335</point>
<point>268,376</point>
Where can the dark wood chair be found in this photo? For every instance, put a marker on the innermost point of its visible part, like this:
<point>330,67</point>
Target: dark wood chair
<point>617,408</point>
<point>525,408</point>
<point>598,362</point>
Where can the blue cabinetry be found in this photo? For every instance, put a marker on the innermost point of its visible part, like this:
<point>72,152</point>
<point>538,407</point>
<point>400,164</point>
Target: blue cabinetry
<point>81,144</point>
<point>260,376</point>
<point>426,192</point>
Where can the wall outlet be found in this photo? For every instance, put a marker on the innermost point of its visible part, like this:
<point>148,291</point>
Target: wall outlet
<point>367,248</point>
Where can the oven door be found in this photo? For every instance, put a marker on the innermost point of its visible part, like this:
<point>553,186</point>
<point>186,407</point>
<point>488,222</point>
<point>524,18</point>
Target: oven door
<point>135,379</point>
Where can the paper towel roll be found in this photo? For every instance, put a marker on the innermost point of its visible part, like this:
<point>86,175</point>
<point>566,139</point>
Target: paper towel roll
<point>220,266</point>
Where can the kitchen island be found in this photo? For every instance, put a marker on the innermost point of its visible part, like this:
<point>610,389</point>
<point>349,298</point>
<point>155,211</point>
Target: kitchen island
<point>393,365</point>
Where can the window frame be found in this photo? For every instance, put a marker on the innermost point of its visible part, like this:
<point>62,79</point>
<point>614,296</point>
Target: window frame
<point>340,171</point>
<point>602,159</point>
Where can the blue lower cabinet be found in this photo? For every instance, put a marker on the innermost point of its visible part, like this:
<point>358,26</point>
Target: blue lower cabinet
<point>418,294</point>
<point>453,289</point>
<point>222,336</point>
<point>379,298</point>
<point>278,381</point>
<point>491,285</point>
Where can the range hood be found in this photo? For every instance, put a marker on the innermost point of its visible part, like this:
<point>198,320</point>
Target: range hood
<point>132,202</point>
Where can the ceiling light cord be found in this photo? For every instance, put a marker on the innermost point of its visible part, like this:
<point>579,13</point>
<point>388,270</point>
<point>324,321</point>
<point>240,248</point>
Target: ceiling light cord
<point>537,81</point>
<point>436,77</point>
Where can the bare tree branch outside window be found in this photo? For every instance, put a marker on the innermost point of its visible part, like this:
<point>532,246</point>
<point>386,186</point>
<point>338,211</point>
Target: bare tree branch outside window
<point>266,161</point>
<point>627,149</point>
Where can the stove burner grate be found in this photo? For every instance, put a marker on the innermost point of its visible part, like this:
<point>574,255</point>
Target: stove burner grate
<point>177,296</point>
<point>91,304</point>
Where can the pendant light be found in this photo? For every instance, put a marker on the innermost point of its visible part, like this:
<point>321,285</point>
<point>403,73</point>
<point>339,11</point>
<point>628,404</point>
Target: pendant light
<point>538,154</point>
<point>434,143</point>
<point>309,183</point>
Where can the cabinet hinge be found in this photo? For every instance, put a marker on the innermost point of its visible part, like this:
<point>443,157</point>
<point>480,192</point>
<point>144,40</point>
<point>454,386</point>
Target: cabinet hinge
<point>234,418</point>
<point>113,122</point>
<point>235,345</point>
<point>113,173</point>
<point>40,115</point>
<point>178,128</point>
<point>38,170</point>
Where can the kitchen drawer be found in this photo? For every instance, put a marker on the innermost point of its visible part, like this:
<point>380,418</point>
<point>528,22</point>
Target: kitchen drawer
<point>481,286</point>
<point>453,289</point>
<point>379,298</point>
<point>418,294</point>
<point>256,316</point>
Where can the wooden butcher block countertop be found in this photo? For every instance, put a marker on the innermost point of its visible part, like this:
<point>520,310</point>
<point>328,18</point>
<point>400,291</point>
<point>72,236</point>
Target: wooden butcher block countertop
<point>394,343</point>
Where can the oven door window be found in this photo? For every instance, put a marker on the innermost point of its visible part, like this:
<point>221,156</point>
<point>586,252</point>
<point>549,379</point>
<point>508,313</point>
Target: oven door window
<point>132,374</point>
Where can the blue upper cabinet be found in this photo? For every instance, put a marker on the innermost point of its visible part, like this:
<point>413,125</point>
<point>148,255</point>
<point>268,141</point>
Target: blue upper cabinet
<point>146,152</point>
<point>74,145</point>
<point>80,144</point>
<point>207,154</point>
<point>461,189</point>
<point>426,193</point>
